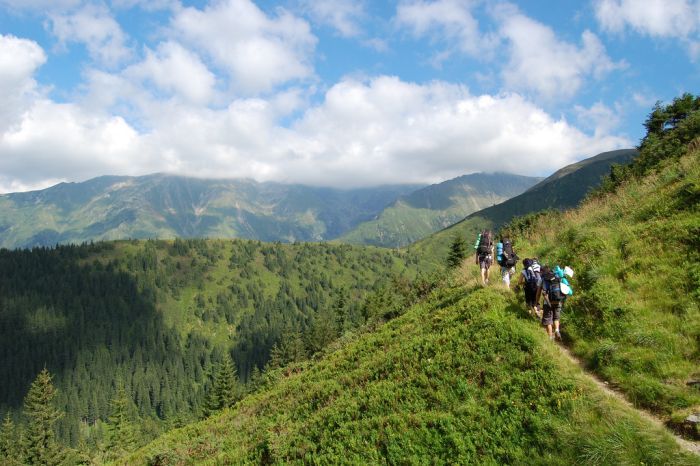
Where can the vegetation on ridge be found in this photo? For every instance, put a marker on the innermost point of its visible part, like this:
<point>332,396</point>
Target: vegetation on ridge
<point>459,378</point>
<point>635,315</point>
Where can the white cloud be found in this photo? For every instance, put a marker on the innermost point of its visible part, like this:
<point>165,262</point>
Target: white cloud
<point>599,117</point>
<point>660,18</point>
<point>541,62</point>
<point>94,26</point>
<point>417,133</point>
<point>669,19</point>
<point>19,59</point>
<point>63,141</point>
<point>364,133</point>
<point>342,15</point>
<point>445,20</point>
<point>174,69</point>
<point>259,52</point>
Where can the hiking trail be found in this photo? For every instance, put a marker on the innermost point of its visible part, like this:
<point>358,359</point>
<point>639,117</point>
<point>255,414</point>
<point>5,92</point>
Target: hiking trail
<point>689,445</point>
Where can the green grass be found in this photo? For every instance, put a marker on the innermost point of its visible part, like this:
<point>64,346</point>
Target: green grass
<point>635,316</point>
<point>460,378</point>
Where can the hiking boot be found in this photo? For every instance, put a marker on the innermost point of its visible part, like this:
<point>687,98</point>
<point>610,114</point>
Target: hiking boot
<point>557,335</point>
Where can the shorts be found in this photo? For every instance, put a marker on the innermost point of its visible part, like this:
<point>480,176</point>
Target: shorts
<point>530,294</point>
<point>485,261</point>
<point>551,313</point>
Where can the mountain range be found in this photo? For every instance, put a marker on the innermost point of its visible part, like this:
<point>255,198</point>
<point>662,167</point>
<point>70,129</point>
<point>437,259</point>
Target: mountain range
<point>165,206</point>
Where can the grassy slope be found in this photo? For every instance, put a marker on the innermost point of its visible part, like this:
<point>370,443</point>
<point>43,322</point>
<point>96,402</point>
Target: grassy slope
<point>459,378</point>
<point>635,317</point>
<point>564,189</point>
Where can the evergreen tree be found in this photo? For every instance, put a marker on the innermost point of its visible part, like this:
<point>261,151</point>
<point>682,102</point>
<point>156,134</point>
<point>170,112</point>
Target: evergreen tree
<point>323,331</point>
<point>458,251</point>
<point>40,442</point>
<point>225,390</point>
<point>9,443</point>
<point>121,431</point>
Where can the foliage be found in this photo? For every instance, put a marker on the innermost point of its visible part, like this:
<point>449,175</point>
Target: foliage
<point>634,317</point>
<point>456,379</point>
<point>458,251</point>
<point>41,446</point>
<point>669,130</point>
<point>225,389</point>
<point>121,426</point>
<point>159,315</point>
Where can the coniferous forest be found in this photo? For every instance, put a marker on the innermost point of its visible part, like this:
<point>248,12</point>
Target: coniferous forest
<point>137,337</point>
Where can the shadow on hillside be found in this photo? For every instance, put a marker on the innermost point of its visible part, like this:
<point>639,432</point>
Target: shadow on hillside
<point>89,325</point>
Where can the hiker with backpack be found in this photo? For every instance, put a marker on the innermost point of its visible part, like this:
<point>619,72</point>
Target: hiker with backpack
<point>484,254</point>
<point>555,289</point>
<point>507,258</point>
<point>530,281</point>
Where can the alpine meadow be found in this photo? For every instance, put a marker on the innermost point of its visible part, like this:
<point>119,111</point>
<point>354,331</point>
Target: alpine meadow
<point>348,232</point>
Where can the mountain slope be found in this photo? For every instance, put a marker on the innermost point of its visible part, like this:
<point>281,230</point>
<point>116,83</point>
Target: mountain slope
<point>457,379</point>
<point>563,189</point>
<point>162,206</point>
<point>635,316</point>
<point>416,215</point>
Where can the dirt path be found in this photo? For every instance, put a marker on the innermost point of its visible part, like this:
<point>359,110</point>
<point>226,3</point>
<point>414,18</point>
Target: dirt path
<point>689,445</point>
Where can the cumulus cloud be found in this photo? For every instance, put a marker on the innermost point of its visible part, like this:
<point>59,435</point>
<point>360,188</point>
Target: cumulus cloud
<point>363,133</point>
<point>541,62</point>
<point>172,68</point>
<point>342,15</point>
<point>94,26</point>
<point>670,19</point>
<point>445,20</point>
<point>259,52</point>
<point>19,59</point>
<point>661,18</point>
<point>424,133</point>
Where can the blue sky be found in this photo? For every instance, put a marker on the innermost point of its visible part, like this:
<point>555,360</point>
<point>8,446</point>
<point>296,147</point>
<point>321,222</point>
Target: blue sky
<point>331,92</point>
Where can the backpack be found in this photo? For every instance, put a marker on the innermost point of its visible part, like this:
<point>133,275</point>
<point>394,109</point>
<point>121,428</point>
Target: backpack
<point>509,257</point>
<point>531,276</point>
<point>485,243</point>
<point>554,294</point>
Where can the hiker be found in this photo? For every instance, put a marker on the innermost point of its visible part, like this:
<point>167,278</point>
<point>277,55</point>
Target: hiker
<point>507,259</point>
<point>484,254</point>
<point>530,280</point>
<point>555,289</point>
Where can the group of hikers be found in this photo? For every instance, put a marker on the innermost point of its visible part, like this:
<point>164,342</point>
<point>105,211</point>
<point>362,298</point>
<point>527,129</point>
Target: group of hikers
<point>545,284</point>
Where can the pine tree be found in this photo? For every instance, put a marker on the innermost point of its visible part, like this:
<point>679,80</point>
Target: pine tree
<point>9,451</point>
<point>225,390</point>
<point>40,442</point>
<point>121,432</point>
<point>458,251</point>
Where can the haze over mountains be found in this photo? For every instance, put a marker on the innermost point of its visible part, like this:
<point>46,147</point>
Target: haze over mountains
<point>164,206</point>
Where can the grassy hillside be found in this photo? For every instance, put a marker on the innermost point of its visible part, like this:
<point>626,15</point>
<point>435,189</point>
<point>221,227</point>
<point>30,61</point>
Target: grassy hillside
<point>562,190</point>
<point>460,378</point>
<point>417,215</point>
<point>162,206</point>
<point>635,317</point>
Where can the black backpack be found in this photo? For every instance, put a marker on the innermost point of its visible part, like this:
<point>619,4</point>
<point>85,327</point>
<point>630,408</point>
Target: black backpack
<point>485,243</point>
<point>555,294</point>
<point>509,257</point>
